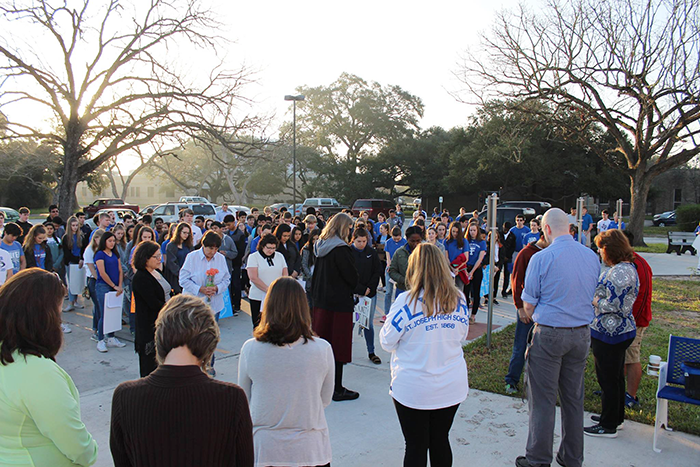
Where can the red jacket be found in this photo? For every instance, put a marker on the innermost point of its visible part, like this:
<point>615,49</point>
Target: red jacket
<point>517,278</point>
<point>642,306</point>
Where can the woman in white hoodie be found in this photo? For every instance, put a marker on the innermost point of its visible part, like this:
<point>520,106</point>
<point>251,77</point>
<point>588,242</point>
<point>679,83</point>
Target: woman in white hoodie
<point>424,332</point>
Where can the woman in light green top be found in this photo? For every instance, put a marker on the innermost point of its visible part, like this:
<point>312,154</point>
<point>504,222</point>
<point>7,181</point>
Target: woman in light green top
<point>40,406</point>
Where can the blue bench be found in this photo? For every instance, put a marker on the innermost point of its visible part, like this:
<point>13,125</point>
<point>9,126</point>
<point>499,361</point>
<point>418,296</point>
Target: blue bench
<point>680,349</point>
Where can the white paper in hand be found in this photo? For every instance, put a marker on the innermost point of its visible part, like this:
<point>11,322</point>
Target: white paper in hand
<point>112,320</point>
<point>77,280</point>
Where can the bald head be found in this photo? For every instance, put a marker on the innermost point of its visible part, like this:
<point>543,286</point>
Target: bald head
<point>555,223</point>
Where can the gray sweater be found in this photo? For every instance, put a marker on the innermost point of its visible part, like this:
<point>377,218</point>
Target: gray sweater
<point>289,430</point>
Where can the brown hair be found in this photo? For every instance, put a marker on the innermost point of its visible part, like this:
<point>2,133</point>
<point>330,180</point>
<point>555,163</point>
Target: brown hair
<point>285,315</point>
<point>176,237</point>
<point>617,247</point>
<point>30,315</point>
<point>30,237</point>
<point>186,321</point>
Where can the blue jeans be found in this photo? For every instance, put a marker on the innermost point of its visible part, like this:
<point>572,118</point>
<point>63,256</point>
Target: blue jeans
<point>517,359</point>
<point>369,332</point>
<point>389,294</point>
<point>102,289</point>
<point>234,288</point>
<point>213,356</point>
<point>95,303</point>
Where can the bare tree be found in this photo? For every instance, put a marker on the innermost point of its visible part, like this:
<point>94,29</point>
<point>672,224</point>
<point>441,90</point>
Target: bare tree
<point>630,66</point>
<point>112,88</point>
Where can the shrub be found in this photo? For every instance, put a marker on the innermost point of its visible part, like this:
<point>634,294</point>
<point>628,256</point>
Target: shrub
<point>688,216</point>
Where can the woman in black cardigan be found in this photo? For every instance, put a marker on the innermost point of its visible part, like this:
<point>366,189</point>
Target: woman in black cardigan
<point>332,287</point>
<point>150,292</point>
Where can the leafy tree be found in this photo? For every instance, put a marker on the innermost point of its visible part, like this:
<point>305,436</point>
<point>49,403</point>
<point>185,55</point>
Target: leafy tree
<point>101,69</point>
<point>628,66</point>
<point>351,118</point>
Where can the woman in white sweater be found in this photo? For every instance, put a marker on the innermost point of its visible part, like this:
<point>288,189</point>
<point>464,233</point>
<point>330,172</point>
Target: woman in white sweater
<point>424,332</point>
<point>290,430</point>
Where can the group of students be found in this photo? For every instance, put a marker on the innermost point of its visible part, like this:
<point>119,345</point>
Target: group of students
<point>221,423</point>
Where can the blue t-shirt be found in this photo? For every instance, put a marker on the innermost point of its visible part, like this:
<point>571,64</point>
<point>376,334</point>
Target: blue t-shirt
<point>40,256</point>
<point>475,248</point>
<point>391,246</point>
<point>112,267</point>
<point>519,234</point>
<point>75,249</point>
<point>254,244</point>
<point>453,249</point>
<point>697,230</point>
<point>531,237</point>
<point>613,225</point>
<point>16,252</point>
<point>163,249</point>
<point>376,228</point>
<point>586,221</point>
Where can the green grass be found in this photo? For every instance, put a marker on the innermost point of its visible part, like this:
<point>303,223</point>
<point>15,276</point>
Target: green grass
<point>676,310</point>
<point>652,248</point>
<point>652,231</point>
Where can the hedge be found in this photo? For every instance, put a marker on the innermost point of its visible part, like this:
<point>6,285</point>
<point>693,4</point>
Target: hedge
<point>688,216</point>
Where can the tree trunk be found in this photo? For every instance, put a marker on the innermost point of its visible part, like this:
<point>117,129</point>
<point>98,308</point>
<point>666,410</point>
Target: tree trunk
<point>639,190</point>
<point>65,195</point>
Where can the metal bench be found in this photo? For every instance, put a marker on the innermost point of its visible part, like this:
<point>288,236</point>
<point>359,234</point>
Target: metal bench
<point>680,349</point>
<point>680,242</point>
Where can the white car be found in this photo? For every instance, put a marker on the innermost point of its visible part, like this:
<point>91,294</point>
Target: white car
<point>119,216</point>
<point>194,199</point>
<point>235,208</point>
<point>170,212</point>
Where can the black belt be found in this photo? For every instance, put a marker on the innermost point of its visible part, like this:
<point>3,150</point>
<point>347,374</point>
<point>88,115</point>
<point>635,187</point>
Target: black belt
<point>562,327</point>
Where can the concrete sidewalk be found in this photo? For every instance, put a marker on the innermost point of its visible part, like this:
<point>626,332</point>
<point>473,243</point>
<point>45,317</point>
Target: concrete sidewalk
<point>489,430</point>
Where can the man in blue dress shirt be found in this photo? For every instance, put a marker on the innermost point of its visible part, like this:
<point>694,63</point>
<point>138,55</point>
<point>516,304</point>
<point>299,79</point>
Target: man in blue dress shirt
<point>558,298</point>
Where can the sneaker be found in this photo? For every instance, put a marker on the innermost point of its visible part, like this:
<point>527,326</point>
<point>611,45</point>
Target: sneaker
<point>596,418</point>
<point>114,342</point>
<point>236,312</point>
<point>345,395</point>
<point>522,461</point>
<point>94,336</point>
<point>70,307</point>
<point>510,389</point>
<point>631,402</point>
<point>102,346</point>
<point>382,319</point>
<point>560,461</point>
<point>65,329</point>
<point>600,432</point>
<point>495,302</point>
<point>78,306</point>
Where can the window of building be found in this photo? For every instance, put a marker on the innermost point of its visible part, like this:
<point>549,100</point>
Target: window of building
<point>151,191</point>
<point>138,191</point>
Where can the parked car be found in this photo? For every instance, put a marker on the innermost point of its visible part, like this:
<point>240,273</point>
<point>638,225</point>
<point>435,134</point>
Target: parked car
<point>278,206</point>
<point>326,206</point>
<point>506,214</point>
<point>150,206</point>
<point>170,212</point>
<point>108,203</point>
<point>10,214</point>
<point>194,199</point>
<point>234,208</point>
<point>665,218</point>
<point>373,207</point>
<point>540,207</point>
<point>119,213</point>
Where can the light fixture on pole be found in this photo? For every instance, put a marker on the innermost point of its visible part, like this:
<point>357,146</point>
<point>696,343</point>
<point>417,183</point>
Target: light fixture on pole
<point>294,99</point>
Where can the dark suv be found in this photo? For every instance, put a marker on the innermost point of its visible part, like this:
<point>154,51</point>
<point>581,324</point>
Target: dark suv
<point>373,207</point>
<point>540,207</point>
<point>507,214</point>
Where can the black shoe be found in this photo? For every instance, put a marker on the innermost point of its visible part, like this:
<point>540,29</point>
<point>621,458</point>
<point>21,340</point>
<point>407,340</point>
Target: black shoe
<point>560,461</point>
<point>596,418</point>
<point>345,395</point>
<point>375,359</point>
<point>600,432</point>
<point>522,462</point>
<point>495,302</point>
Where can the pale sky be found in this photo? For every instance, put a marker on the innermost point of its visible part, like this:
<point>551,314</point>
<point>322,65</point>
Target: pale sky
<point>415,45</point>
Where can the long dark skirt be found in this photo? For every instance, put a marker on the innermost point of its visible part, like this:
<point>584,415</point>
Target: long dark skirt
<point>336,328</point>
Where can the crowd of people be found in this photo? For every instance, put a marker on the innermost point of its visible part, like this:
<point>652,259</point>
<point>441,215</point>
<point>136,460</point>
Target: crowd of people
<point>303,278</point>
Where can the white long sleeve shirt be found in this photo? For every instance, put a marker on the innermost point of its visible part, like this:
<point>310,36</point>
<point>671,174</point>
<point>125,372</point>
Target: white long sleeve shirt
<point>428,370</point>
<point>193,275</point>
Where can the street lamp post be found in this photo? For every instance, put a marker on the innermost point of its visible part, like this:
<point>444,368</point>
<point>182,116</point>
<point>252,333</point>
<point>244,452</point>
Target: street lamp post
<point>294,100</point>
